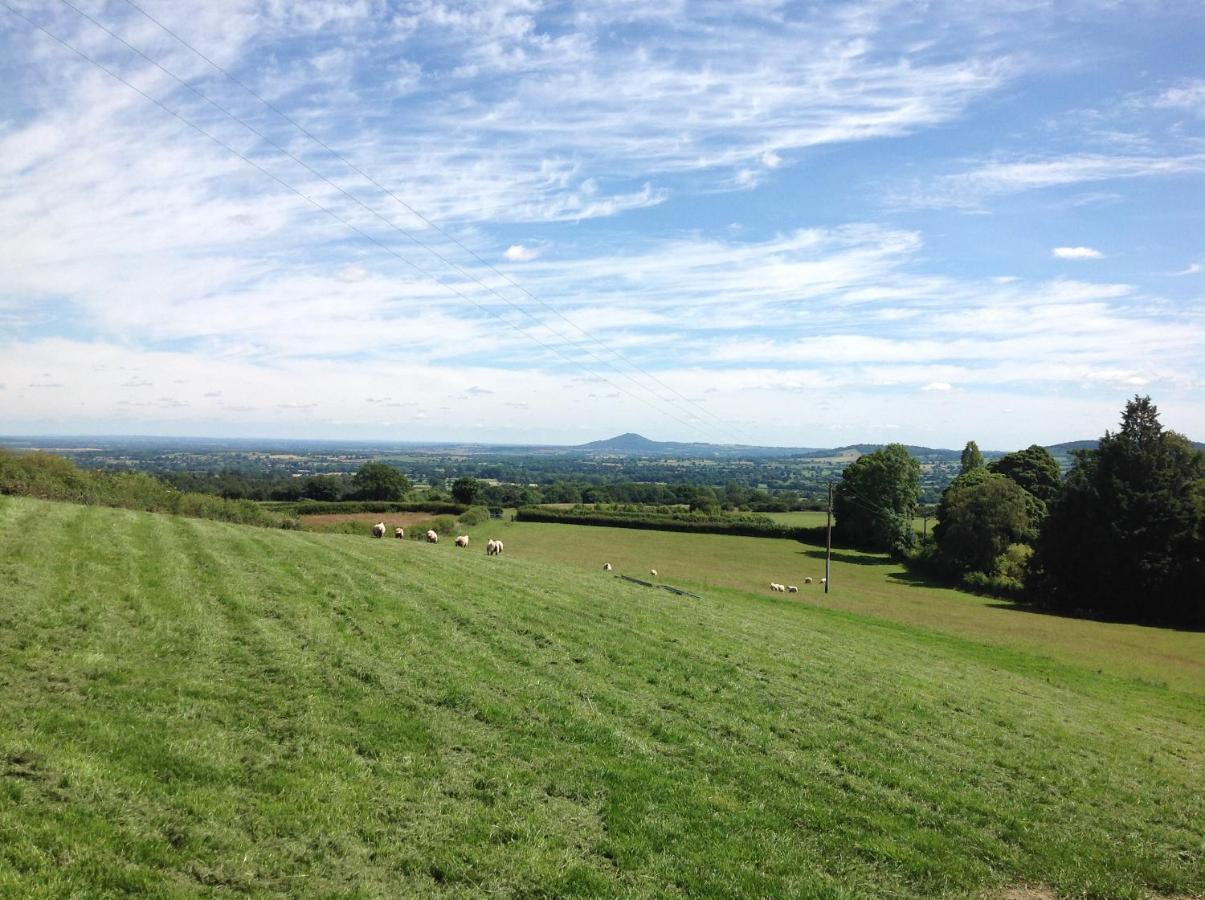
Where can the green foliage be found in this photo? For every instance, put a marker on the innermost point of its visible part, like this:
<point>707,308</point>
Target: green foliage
<point>322,488</point>
<point>50,477</point>
<point>474,515</point>
<point>971,460</point>
<point>315,508</point>
<point>876,498</point>
<point>1126,537</point>
<point>380,481</point>
<point>1034,469</point>
<point>465,490</point>
<point>980,515</point>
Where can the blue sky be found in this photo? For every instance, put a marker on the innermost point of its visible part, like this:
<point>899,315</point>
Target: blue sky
<point>802,224</point>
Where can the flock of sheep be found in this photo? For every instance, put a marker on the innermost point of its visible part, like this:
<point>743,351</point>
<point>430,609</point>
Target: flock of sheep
<point>492,547</point>
<point>495,547</point>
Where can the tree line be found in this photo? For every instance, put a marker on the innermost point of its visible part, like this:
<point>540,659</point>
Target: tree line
<point>1121,536</point>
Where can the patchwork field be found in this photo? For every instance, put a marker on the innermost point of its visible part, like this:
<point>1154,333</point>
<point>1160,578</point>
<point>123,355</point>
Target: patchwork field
<point>191,708</point>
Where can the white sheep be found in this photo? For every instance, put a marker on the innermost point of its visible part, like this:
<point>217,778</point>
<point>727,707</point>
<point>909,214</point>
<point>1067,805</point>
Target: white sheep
<point>399,533</point>
<point>462,540</point>
<point>378,530</point>
<point>493,547</point>
<point>653,573</point>
<point>792,589</point>
<point>606,567</point>
<point>807,580</point>
<point>432,537</point>
<point>824,581</point>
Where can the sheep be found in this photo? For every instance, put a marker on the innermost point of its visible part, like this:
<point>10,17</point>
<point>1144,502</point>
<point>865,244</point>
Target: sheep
<point>378,530</point>
<point>653,573</point>
<point>824,581</point>
<point>399,533</point>
<point>808,580</point>
<point>606,567</point>
<point>493,548</point>
<point>432,537</point>
<point>462,540</point>
<point>775,586</point>
<point>792,589</point>
<point>499,546</point>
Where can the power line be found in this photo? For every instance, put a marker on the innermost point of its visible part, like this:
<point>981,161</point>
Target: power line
<point>391,194</point>
<point>328,211</point>
<point>372,211</point>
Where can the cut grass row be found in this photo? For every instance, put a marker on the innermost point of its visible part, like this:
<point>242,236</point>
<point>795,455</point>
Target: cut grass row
<point>188,707</point>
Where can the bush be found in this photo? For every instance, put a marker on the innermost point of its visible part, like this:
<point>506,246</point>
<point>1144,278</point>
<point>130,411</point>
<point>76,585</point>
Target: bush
<point>474,515</point>
<point>49,477</point>
<point>316,508</point>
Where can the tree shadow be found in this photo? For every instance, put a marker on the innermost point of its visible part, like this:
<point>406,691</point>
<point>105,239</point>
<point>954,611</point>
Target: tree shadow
<point>852,557</point>
<point>1088,615</point>
<point>914,579</point>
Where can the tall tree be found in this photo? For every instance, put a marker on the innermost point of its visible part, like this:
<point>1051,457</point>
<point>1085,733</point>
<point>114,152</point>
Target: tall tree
<point>876,498</point>
<point>1034,469</point>
<point>981,514</point>
<point>972,459</point>
<point>1126,536</point>
<point>465,490</point>
<point>379,481</point>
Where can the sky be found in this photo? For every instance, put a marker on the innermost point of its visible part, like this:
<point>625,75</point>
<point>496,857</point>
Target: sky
<point>778,223</point>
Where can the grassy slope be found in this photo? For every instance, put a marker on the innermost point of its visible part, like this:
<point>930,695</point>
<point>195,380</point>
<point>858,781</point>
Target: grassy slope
<point>865,583</point>
<point>187,706</point>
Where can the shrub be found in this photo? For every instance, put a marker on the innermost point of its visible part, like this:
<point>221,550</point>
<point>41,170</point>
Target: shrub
<point>474,515</point>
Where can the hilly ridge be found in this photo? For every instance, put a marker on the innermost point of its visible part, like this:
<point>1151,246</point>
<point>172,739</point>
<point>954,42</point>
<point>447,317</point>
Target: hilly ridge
<point>188,706</point>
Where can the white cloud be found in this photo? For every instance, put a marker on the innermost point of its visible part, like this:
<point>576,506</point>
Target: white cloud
<point>940,386</point>
<point>520,253</point>
<point>1190,269</point>
<point>1076,253</point>
<point>1188,96</point>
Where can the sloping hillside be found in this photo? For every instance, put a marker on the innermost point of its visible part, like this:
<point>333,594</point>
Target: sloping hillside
<point>188,707</point>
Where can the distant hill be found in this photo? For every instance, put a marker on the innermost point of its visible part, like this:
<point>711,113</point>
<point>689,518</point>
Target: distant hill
<point>628,441</point>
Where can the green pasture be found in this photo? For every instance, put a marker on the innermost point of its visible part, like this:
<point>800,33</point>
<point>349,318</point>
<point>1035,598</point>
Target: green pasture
<point>811,518</point>
<point>192,708</point>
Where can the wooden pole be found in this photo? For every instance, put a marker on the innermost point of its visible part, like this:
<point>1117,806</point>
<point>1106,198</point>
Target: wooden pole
<point>828,553</point>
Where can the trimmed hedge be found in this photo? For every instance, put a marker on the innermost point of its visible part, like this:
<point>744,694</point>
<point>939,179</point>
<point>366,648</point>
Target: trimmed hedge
<point>322,507</point>
<point>49,477</point>
<point>744,527</point>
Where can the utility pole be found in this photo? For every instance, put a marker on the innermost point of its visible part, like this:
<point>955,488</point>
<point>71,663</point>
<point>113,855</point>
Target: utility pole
<point>828,553</point>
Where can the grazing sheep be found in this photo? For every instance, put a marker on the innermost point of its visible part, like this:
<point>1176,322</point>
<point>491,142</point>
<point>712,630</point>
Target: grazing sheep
<point>378,530</point>
<point>493,548</point>
<point>399,533</point>
<point>824,581</point>
<point>432,537</point>
<point>780,588</point>
<point>606,567</point>
<point>807,580</point>
<point>792,589</point>
<point>653,572</point>
<point>498,544</point>
<point>462,540</point>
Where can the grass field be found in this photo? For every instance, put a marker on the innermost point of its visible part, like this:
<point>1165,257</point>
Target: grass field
<point>193,708</point>
<point>811,518</point>
<point>865,583</point>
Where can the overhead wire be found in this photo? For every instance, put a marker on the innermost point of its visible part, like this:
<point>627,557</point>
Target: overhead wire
<point>372,211</point>
<point>334,215</point>
<point>427,221</point>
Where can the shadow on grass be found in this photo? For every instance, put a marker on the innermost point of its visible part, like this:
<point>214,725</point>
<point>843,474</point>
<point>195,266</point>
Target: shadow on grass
<point>1088,615</point>
<point>853,557</point>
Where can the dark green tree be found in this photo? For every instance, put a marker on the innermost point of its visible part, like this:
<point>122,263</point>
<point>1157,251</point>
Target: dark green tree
<point>980,515</point>
<point>876,498</point>
<point>1126,535</point>
<point>972,459</point>
<point>1034,469</point>
<point>465,490</point>
<point>321,487</point>
<point>379,481</point>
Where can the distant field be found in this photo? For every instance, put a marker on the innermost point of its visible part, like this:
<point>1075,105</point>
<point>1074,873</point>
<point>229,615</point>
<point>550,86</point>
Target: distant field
<point>865,583</point>
<point>812,518</point>
<point>190,708</point>
<point>391,520</point>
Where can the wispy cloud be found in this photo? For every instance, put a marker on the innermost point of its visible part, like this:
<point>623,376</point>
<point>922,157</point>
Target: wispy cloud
<point>1076,253</point>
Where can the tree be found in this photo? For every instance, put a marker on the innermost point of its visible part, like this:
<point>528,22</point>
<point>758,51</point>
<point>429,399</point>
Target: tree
<point>981,514</point>
<point>379,481</point>
<point>972,459</point>
<point>1126,536</point>
<point>321,487</point>
<point>876,498</point>
<point>1034,469</point>
<point>465,490</point>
